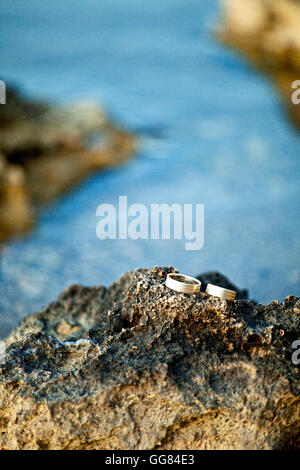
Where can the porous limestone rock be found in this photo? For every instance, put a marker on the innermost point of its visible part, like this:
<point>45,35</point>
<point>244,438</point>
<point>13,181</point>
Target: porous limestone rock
<point>140,366</point>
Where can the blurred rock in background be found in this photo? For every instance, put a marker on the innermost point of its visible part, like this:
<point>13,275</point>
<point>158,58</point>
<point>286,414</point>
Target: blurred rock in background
<point>46,149</point>
<point>268,33</point>
<point>16,215</point>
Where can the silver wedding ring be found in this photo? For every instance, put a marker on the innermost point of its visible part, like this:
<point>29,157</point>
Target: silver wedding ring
<point>183,283</point>
<point>220,292</point>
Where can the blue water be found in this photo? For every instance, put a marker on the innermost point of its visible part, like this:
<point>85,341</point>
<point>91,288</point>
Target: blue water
<point>212,131</point>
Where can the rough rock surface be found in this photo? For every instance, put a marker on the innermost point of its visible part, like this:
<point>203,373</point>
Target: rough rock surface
<point>139,366</point>
<point>47,149</point>
<point>268,33</point>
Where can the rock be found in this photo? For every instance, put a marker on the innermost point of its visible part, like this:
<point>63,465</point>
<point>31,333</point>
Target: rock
<point>55,148</point>
<point>139,366</point>
<point>16,215</point>
<point>268,33</point>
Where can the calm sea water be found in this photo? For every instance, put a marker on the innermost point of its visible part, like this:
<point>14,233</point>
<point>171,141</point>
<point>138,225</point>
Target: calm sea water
<point>212,131</point>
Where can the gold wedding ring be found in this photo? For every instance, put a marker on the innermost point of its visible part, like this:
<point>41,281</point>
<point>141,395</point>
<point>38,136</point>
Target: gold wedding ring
<point>220,292</point>
<point>183,283</point>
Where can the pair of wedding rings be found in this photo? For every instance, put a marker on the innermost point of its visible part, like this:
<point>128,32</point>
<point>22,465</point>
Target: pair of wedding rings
<point>191,285</point>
